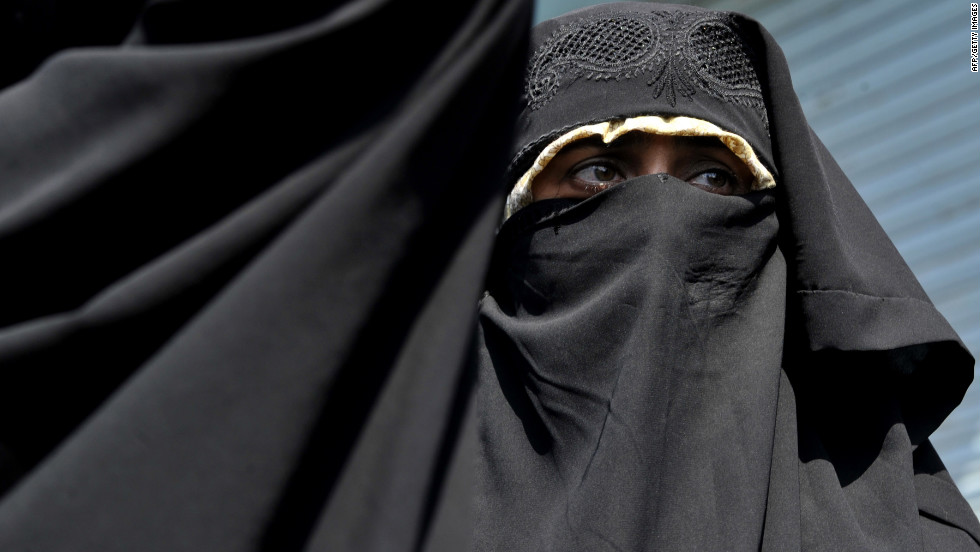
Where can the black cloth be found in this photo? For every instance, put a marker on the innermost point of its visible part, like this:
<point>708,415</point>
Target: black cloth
<point>243,250</point>
<point>666,369</point>
<point>636,383</point>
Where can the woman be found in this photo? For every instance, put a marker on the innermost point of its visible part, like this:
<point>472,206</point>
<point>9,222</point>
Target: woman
<point>278,361</point>
<point>696,336</point>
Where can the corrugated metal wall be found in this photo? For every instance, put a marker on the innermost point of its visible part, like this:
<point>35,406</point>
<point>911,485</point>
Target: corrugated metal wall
<point>887,86</point>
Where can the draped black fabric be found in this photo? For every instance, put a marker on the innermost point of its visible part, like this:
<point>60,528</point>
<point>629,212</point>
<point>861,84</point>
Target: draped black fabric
<point>244,244</point>
<point>242,254</point>
<point>664,369</point>
<point>647,359</point>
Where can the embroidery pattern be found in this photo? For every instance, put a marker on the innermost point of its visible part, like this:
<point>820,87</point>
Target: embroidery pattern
<point>683,52</point>
<point>595,48</point>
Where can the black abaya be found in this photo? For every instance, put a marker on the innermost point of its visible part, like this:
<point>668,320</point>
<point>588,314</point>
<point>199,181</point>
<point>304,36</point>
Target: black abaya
<point>665,369</point>
<point>244,249</point>
<point>242,256</point>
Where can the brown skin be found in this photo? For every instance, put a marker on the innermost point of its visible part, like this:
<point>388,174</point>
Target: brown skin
<point>586,167</point>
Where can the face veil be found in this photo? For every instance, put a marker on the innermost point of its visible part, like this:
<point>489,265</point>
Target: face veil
<point>640,358</point>
<point>666,369</point>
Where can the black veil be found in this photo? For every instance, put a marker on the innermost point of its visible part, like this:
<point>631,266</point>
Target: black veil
<point>667,371</point>
<point>243,249</point>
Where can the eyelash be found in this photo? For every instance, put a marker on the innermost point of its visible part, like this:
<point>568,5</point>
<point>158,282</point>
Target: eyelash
<point>593,187</point>
<point>596,186</point>
<point>730,179</point>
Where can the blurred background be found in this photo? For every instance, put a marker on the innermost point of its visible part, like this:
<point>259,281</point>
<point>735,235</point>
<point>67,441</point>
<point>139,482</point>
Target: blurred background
<point>887,86</point>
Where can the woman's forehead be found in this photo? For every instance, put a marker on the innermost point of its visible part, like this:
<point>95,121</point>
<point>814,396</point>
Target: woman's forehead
<point>643,138</point>
<point>641,142</point>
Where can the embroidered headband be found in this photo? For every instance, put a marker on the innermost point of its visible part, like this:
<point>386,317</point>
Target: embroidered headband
<point>617,61</point>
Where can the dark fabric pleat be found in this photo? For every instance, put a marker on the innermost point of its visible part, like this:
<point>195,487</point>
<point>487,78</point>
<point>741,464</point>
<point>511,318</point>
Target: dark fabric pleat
<point>244,255</point>
<point>875,368</point>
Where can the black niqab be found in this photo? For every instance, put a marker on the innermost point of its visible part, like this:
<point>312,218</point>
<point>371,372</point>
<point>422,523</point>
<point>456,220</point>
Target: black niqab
<point>668,370</point>
<point>646,346</point>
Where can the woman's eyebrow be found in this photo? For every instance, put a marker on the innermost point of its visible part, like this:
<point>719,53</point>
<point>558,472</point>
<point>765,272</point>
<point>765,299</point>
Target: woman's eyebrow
<point>634,138</point>
<point>703,142</point>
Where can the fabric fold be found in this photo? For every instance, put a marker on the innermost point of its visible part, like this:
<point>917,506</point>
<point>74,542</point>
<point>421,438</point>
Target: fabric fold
<point>258,284</point>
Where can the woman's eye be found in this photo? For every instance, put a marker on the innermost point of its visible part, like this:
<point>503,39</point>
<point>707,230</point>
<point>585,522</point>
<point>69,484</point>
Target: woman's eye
<point>715,180</point>
<point>597,173</point>
<point>583,177</point>
<point>591,177</point>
